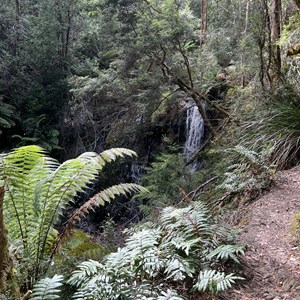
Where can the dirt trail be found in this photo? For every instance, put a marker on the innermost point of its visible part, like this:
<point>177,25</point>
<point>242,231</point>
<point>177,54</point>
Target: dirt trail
<point>273,257</point>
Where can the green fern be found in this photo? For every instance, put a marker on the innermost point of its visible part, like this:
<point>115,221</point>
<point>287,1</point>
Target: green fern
<point>84,272</point>
<point>178,268</point>
<point>7,113</point>
<point>178,249</point>
<point>47,288</point>
<point>38,190</point>
<point>214,281</point>
<point>251,173</point>
<point>104,196</point>
<point>169,295</point>
<point>225,252</point>
<point>75,247</point>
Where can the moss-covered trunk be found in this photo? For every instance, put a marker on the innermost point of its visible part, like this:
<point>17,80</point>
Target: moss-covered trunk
<point>4,256</point>
<point>8,284</point>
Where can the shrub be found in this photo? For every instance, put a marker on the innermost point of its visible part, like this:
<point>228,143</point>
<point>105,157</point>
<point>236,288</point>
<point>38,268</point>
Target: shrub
<point>186,252</point>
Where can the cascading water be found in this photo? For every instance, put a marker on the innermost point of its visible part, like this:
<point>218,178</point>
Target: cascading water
<point>194,130</point>
<point>135,172</point>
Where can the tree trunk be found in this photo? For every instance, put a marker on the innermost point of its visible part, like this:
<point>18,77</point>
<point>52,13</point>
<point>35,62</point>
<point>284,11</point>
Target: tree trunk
<point>203,25</point>
<point>276,34</point>
<point>17,40</point>
<point>7,279</point>
<point>4,256</point>
<point>243,53</point>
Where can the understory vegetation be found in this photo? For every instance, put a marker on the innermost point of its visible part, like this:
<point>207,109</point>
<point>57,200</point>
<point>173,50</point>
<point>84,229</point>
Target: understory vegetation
<point>185,251</point>
<point>84,81</point>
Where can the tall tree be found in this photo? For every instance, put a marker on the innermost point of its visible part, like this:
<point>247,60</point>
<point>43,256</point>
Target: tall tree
<point>204,22</point>
<point>276,26</point>
<point>18,16</point>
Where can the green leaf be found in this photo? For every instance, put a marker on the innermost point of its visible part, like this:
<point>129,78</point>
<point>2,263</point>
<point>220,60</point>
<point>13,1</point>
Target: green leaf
<point>47,288</point>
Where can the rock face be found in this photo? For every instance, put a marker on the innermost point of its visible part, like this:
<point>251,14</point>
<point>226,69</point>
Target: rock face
<point>272,262</point>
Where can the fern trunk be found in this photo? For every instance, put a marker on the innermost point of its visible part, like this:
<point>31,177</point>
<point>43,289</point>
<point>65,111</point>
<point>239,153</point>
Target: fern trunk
<point>7,280</point>
<point>4,256</point>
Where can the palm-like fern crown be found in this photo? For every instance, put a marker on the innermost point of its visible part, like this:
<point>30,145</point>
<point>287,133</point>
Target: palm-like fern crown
<point>38,189</point>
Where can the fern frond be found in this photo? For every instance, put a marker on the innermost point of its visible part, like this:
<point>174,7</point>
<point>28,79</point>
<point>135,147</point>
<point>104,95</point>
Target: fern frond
<point>47,288</point>
<point>120,259</point>
<point>52,239</point>
<point>39,189</point>
<point>61,187</point>
<point>22,171</point>
<point>179,268</point>
<point>157,256</point>
<point>104,196</point>
<point>140,252</point>
<point>214,281</point>
<point>112,154</point>
<point>79,245</point>
<point>169,295</point>
<point>84,272</point>
<point>88,250</point>
<point>224,252</point>
<point>244,152</point>
<point>192,221</point>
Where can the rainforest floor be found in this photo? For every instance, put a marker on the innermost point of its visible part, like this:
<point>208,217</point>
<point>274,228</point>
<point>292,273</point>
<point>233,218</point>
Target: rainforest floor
<point>272,260</point>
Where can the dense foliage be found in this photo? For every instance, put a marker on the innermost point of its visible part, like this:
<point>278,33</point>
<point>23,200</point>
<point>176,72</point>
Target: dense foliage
<point>185,251</point>
<point>86,75</point>
<point>37,191</point>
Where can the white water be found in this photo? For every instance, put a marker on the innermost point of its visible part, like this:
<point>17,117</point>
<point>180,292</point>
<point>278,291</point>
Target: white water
<point>194,129</point>
<point>135,172</point>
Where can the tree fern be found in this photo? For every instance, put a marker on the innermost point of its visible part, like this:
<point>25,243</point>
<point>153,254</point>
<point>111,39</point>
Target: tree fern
<point>39,189</point>
<point>47,288</point>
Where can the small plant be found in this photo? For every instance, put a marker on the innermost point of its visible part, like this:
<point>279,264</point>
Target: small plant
<point>279,129</point>
<point>251,174</point>
<point>47,288</point>
<point>295,225</point>
<point>164,180</point>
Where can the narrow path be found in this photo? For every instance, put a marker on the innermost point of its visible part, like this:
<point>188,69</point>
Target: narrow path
<point>272,262</point>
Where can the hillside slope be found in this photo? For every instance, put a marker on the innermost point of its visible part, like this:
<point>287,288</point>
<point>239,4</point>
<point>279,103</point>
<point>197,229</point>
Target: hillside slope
<point>272,262</point>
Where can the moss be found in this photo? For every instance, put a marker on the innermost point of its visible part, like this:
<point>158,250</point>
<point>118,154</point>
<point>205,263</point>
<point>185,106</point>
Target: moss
<point>295,225</point>
<point>7,278</point>
<point>4,256</point>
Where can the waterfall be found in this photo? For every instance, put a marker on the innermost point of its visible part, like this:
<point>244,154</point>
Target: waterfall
<point>194,129</point>
<point>135,172</point>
